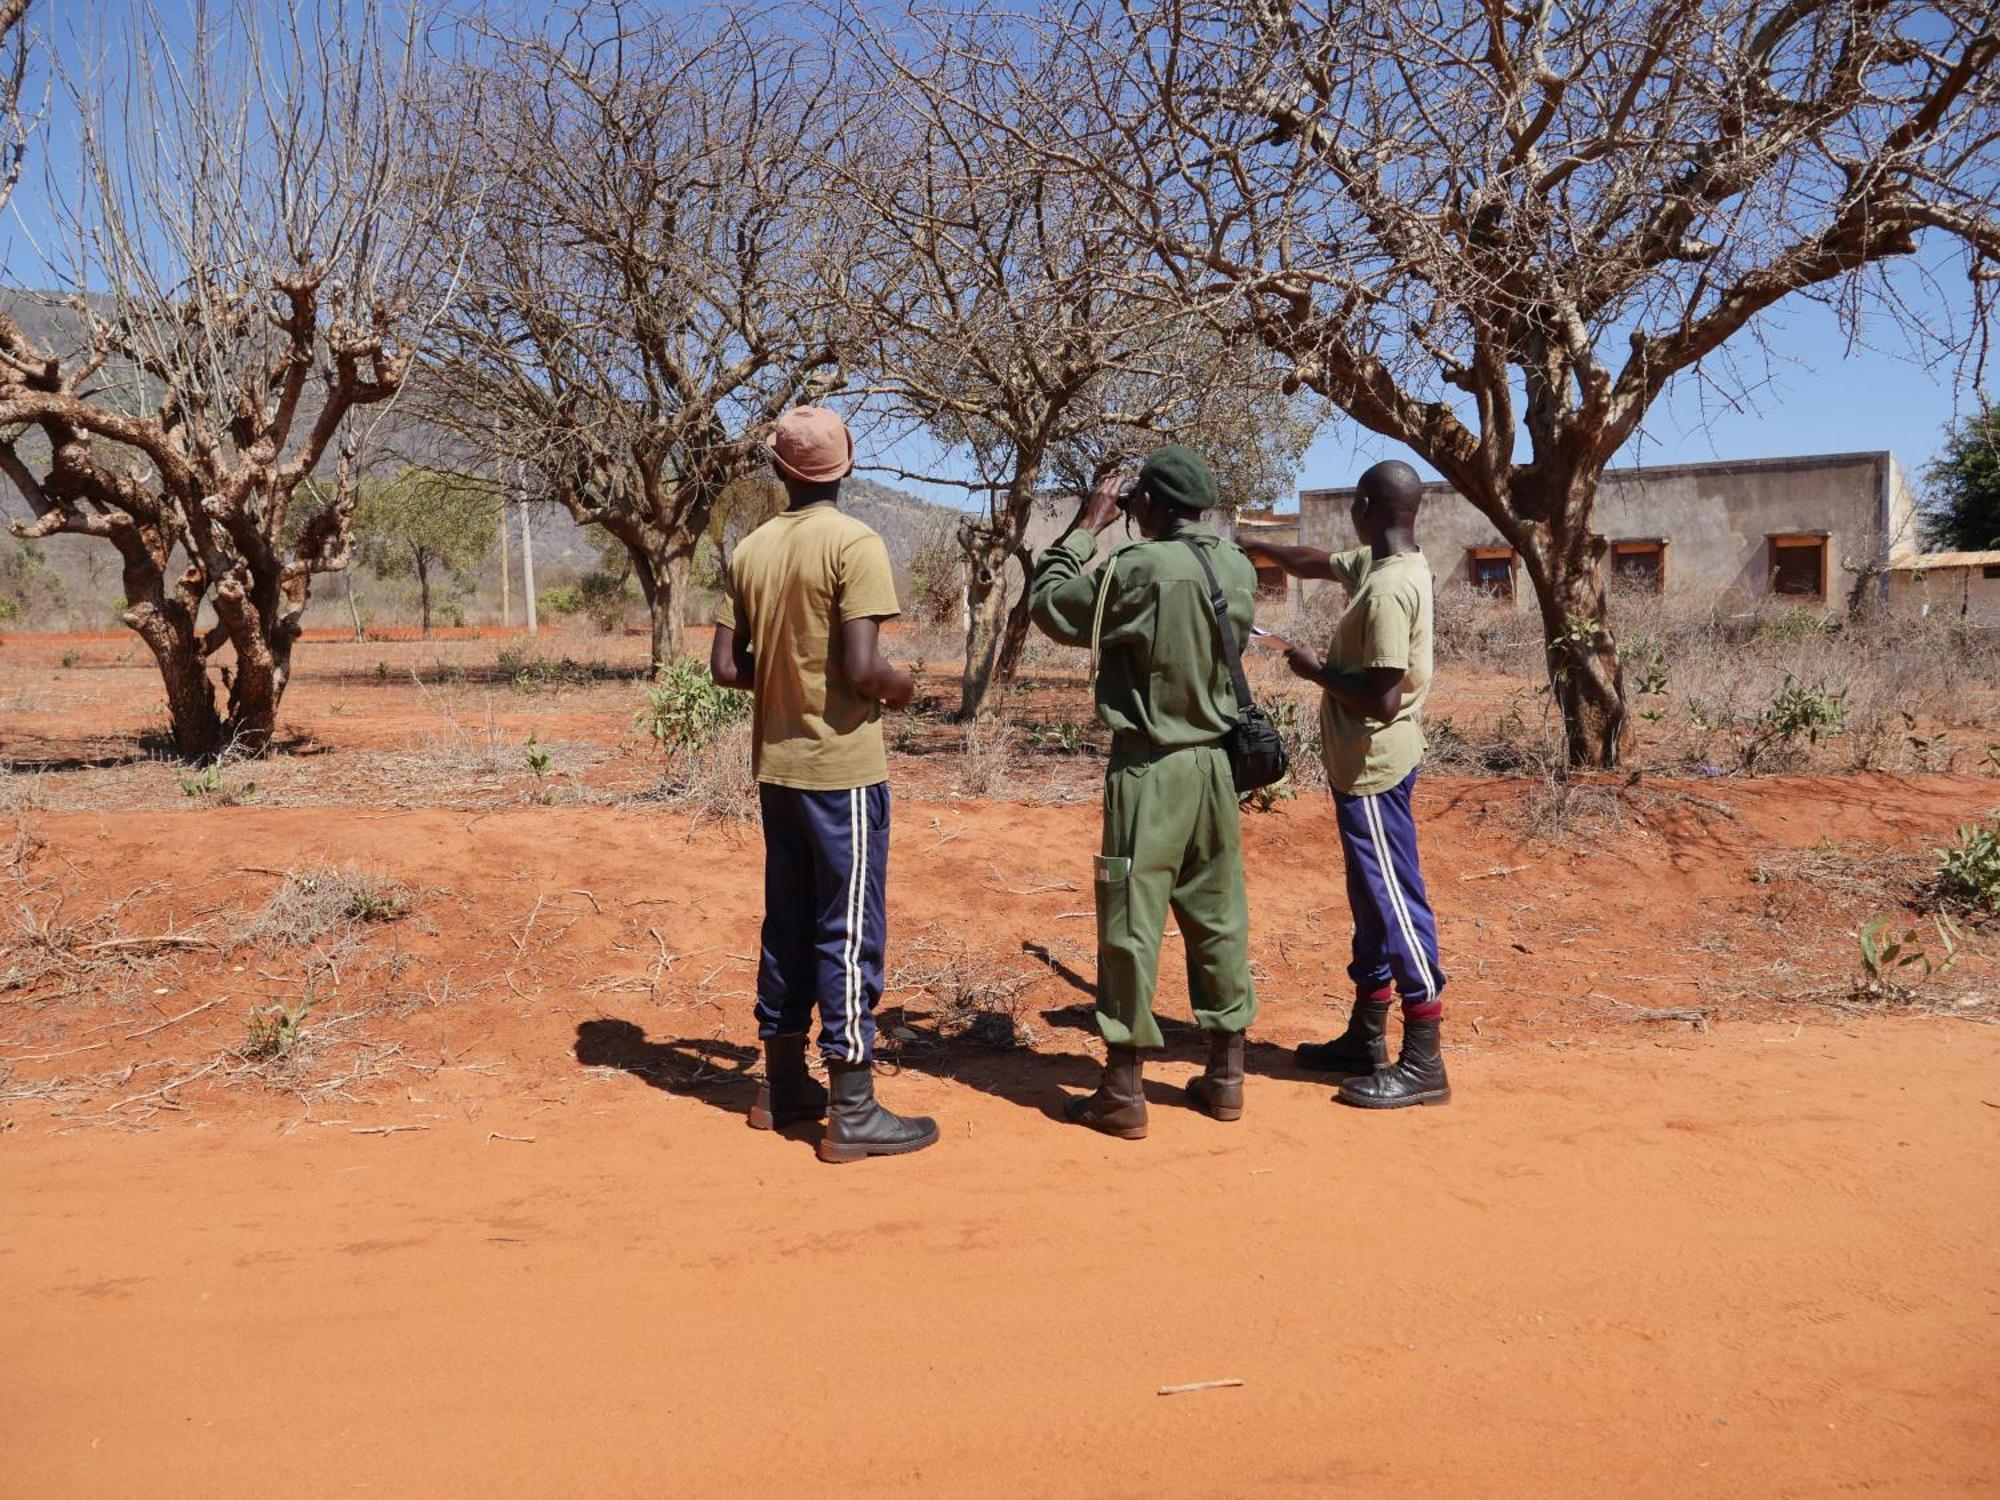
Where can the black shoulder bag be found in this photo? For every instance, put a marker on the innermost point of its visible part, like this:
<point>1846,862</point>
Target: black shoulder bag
<point>1257,755</point>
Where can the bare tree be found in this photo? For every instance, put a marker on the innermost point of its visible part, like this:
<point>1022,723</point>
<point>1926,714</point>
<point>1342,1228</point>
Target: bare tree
<point>236,275</point>
<point>659,273</point>
<point>14,51</point>
<point>1006,329</point>
<point>1497,233</point>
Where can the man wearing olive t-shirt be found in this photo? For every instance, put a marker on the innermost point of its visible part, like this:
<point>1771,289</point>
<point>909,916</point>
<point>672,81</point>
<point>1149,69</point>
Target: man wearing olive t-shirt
<point>800,628</point>
<point>1375,678</point>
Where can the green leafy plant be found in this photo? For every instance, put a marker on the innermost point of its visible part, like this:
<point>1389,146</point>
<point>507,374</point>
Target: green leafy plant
<point>275,1032</point>
<point>1969,870</point>
<point>1893,963</point>
<point>684,710</point>
<point>563,600</point>
<point>538,763</point>
<point>1062,737</point>
<point>1796,711</point>
<point>603,598</point>
<point>204,783</point>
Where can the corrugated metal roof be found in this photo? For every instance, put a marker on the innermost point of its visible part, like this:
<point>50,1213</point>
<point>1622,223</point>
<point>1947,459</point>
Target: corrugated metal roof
<point>1920,562</point>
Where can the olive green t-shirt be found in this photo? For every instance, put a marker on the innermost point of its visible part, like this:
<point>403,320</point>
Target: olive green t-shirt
<point>793,582</point>
<point>1387,624</point>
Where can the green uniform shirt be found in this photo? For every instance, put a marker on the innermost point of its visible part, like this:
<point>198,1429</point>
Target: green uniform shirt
<point>1387,624</point>
<point>1161,673</point>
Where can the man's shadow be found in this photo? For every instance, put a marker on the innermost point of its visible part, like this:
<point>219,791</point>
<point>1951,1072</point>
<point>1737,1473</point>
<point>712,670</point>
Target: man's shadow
<point>705,1069</point>
<point>723,1074</point>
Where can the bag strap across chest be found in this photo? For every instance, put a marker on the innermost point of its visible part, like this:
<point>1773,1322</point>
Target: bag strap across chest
<point>1218,604</point>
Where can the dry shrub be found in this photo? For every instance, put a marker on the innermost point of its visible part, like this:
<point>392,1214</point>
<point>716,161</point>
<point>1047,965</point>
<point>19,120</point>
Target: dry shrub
<point>989,751</point>
<point>712,782</point>
<point>970,997</point>
<point>322,900</point>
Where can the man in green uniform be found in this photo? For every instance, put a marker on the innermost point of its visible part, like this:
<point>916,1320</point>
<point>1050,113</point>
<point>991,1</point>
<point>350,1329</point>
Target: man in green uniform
<point>1171,837</point>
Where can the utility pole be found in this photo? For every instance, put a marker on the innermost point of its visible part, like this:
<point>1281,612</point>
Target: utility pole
<point>506,570</point>
<point>528,568</point>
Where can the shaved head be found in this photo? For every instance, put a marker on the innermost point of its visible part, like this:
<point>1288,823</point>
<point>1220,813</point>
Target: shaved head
<point>1394,486</point>
<point>1386,501</point>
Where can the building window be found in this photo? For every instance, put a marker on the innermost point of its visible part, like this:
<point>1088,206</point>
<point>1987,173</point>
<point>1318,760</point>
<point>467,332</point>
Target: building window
<point>1491,570</point>
<point>1640,562</point>
<point>1798,566</point>
<point>1991,570</point>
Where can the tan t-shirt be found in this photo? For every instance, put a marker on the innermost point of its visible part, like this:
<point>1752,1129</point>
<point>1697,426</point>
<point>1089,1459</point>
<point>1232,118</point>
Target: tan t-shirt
<point>1387,624</point>
<point>792,583</point>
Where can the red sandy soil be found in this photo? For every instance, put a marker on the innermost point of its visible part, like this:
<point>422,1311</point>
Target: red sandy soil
<point>499,1229</point>
<point>1758,1265</point>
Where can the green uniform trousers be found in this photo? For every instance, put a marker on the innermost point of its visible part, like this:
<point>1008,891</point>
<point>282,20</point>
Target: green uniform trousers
<point>1171,839</point>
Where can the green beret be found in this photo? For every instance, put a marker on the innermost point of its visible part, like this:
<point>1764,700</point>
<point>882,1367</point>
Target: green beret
<point>1177,476</point>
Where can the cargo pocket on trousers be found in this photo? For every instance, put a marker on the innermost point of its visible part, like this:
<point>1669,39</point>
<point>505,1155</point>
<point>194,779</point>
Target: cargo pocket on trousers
<point>1114,878</point>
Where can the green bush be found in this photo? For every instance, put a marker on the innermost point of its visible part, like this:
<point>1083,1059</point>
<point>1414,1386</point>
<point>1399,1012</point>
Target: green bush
<point>1969,871</point>
<point>684,710</point>
<point>566,600</point>
<point>603,598</point>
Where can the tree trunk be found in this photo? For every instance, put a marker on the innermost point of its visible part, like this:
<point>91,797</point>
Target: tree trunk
<point>663,583</point>
<point>986,621</point>
<point>1015,638</point>
<point>1584,670</point>
<point>192,719</point>
<point>256,690</point>
<point>995,633</point>
<point>424,596</point>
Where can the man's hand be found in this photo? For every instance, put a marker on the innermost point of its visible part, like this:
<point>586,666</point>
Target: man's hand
<point>1305,662</point>
<point>1101,509</point>
<point>898,692</point>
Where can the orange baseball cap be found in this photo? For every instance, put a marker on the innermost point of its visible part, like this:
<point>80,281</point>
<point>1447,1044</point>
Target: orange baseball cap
<point>812,444</point>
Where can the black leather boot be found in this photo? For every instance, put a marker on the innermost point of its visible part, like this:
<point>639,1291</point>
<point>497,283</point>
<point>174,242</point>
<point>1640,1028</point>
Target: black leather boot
<point>1362,1048</point>
<point>1417,1077</point>
<point>1218,1092</point>
<point>788,1093</point>
<point>1119,1105</point>
<point>856,1126</point>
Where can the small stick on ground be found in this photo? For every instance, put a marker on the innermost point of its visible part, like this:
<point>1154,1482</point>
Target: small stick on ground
<point>1198,1385</point>
<point>133,1036</point>
<point>494,1135</point>
<point>383,1129</point>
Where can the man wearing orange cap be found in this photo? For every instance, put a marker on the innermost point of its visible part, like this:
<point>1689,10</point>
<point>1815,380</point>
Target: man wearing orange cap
<point>800,628</point>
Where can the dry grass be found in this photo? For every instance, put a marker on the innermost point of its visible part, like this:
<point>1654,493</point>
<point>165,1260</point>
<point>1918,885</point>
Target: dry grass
<point>324,900</point>
<point>970,997</point>
<point>712,784</point>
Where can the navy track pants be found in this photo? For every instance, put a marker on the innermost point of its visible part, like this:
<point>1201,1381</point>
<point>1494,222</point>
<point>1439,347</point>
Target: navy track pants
<point>826,920</point>
<point>1395,934</point>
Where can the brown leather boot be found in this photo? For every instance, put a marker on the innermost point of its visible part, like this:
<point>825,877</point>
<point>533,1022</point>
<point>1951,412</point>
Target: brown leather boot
<point>788,1093</point>
<point>1361,1049</point>
<point>1218,1092</point>
<point>1417,1077</point>
<point>1119,1105</point>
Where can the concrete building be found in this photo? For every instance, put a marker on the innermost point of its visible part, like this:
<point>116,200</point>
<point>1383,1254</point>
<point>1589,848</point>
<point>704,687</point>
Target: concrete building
<point>1961,585</point>
<point>1728,535</point>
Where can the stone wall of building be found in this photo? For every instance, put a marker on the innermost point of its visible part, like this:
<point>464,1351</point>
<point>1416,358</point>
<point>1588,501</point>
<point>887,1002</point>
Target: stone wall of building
<point>1716,526</point>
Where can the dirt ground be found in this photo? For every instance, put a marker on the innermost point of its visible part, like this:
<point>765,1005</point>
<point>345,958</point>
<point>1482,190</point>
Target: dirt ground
<point>488,1219</point>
